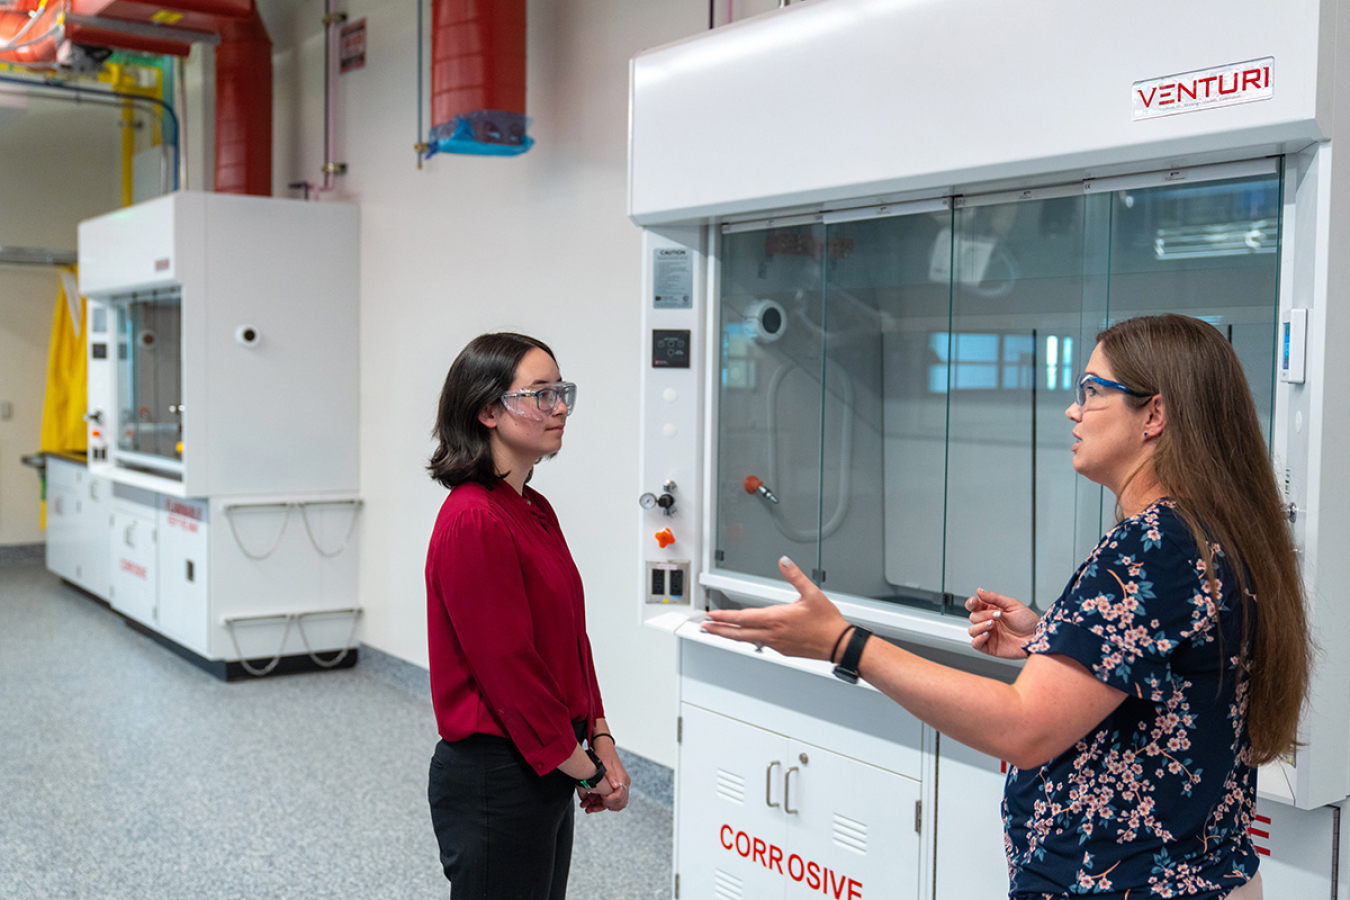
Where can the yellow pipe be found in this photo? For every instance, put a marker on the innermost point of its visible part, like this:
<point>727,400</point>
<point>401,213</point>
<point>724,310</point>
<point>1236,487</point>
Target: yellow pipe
<point>128,153</point>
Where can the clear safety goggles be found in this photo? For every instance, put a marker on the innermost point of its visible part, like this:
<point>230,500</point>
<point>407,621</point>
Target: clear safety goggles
<point>542,402</point>
<point>1091,389</point>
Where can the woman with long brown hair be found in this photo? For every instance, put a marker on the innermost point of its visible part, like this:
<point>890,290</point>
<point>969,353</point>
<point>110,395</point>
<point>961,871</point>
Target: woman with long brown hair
<point>1176,660</point>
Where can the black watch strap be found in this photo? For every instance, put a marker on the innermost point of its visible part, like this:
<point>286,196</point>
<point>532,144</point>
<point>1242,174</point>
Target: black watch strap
<point>599,776</point>
<point>847,670</point>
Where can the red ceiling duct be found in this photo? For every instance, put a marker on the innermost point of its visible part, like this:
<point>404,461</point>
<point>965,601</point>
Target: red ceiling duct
<point>244,107</point>
<point>478,71</point>
<point>243,63</point>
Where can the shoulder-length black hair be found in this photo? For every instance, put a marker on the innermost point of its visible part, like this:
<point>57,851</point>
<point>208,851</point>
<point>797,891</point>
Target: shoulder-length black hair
<point>478,377</point>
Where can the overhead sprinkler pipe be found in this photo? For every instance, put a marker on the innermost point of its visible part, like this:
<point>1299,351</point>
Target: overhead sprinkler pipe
<point>168,118</point>
<point>332,34</point>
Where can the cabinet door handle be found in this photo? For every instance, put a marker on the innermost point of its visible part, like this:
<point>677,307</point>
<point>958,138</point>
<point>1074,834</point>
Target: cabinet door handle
<point>768,784</point>
<point>787,792</point>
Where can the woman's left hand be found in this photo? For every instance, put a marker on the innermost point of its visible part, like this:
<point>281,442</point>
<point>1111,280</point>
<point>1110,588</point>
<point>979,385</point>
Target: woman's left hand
<point>615,774</point>
<point>810,626</point>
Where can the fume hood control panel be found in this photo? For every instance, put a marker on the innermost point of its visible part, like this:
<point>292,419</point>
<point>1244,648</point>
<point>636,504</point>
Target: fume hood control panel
<point>670,500</point>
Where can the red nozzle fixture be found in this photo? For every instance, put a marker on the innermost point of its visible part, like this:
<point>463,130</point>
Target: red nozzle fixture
<point>665,538</point>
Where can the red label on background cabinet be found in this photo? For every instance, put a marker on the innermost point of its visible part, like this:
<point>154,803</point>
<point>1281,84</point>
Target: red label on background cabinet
<point>183,509</point>
<point>176,521</point>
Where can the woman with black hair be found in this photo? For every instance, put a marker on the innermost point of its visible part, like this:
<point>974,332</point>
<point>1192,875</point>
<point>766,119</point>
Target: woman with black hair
<point>513,682</point>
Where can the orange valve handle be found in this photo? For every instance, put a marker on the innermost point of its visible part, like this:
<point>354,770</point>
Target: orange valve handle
<point>665,538</point>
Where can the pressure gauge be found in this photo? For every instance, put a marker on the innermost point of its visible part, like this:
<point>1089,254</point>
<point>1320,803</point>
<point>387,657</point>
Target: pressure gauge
<point>647,501</point>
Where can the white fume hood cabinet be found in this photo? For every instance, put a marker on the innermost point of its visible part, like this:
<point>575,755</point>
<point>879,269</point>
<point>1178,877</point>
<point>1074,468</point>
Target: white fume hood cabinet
<point>223,407</point>
<point>864,307</point>
<point>231,345</point>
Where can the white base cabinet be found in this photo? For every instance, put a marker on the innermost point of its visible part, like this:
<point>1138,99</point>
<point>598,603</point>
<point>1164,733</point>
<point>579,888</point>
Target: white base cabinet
<point>780,817</point>
<point>235,583</point>
<point>78,506</point>
<point>793,784</point>
<point>135,557</point>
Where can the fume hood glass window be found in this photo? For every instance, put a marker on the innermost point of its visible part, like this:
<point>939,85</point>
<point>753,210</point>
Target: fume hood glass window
<point>770,412</point>
<point>150,380</point>
<point>1024,296</point>
<point>893,390</point>
<point>890,296</point>
<point>1209,251</point>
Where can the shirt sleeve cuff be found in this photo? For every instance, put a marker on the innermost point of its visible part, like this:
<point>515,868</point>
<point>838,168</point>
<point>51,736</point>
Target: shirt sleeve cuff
<point>1109,662</point>
<point>551,755</point>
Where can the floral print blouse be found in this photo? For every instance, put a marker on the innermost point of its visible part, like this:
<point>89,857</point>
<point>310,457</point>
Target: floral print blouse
<point>1156,800</point>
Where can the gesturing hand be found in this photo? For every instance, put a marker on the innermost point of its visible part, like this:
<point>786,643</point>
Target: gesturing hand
<point>1000,626</point>
<point>809,626</point>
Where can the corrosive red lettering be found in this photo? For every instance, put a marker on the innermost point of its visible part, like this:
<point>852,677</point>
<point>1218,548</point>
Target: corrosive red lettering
<point>771,856</point>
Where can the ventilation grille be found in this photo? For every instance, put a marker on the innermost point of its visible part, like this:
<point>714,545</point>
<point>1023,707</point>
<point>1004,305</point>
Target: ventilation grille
<point>850,834</point>
<point>727,887</point>
<point>731,786</point>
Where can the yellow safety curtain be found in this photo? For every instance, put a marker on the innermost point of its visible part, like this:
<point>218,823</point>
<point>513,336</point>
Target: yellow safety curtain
<point>63,426</point>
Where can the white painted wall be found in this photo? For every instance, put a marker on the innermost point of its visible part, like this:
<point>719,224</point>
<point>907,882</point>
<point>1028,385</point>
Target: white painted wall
<point>61,163</point>
<point>539,244</point>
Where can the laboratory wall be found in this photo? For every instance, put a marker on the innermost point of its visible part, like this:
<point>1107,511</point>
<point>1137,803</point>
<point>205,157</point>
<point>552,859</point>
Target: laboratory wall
<point>43,195</point>
<point>538,243</point>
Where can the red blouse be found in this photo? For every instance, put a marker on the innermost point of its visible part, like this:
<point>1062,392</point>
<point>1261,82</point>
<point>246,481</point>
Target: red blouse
<point>506,625</point>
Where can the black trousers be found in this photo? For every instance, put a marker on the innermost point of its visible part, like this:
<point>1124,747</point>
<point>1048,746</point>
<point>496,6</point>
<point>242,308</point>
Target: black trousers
<point>505,833</point>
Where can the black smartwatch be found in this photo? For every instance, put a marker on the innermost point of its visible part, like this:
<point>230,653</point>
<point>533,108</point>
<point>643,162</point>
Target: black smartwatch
<point>847,670</point>
<point>593,782</point>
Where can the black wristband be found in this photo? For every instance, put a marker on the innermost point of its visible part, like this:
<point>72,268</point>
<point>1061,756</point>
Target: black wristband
<point>838,641</point>
<point>600,734</point>
<point>847,670</point>
<point>599,776</point>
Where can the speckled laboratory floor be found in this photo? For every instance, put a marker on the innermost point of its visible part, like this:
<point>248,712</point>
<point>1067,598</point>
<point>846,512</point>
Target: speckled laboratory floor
<point>127,773</point>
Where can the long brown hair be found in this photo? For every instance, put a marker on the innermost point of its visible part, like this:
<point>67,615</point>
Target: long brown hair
<point>1211,459</point>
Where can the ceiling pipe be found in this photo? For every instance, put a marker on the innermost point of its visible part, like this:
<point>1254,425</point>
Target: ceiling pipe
<point>332,33</point>
<point>243,65</point>
<point>169,121</point>
<point>30,32</point>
